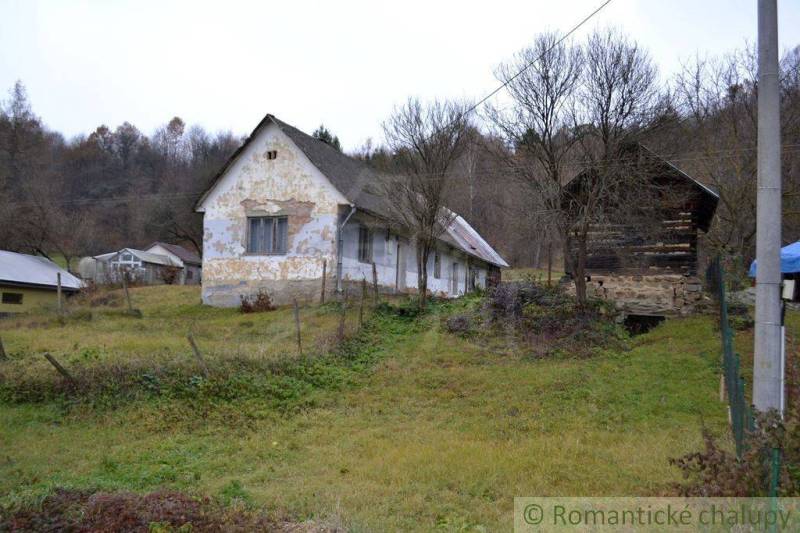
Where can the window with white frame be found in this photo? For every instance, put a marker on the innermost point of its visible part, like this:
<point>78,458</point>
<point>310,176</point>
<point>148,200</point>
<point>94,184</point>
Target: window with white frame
<point>267,235</point>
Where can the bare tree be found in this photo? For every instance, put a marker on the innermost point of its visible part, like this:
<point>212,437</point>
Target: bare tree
<point>718,96</point>
<point>619,98</point>
<point>426,140</point>
<point>542,81</point>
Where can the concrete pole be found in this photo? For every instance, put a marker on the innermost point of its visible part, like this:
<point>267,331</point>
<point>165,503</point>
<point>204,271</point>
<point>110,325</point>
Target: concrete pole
<point>767,363</point>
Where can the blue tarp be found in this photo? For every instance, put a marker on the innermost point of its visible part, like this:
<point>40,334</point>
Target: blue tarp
<point>790,260</point>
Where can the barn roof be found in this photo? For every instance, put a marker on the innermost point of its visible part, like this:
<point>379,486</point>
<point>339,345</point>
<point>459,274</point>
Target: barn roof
<point>706,204</point>
<point>187,256</point>
<point>35,271</point>
<point>352,178</point>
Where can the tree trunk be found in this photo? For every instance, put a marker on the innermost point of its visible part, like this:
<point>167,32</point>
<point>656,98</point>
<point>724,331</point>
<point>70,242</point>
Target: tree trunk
<point>422,276</point>
<point>580,270</point>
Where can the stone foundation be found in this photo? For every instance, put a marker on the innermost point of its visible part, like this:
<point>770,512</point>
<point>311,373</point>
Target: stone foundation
<point>668,294</point>
<point>283,292</point>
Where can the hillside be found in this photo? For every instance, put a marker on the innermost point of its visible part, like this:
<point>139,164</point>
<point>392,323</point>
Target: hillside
<point>403,426</point>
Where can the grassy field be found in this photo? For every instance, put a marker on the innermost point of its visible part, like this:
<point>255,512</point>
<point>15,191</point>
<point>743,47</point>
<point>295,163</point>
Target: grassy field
<point>421,429</point>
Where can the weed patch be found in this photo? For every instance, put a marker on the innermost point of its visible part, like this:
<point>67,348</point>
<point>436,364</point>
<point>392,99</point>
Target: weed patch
<point>161,511</point>
<point>540,320</point>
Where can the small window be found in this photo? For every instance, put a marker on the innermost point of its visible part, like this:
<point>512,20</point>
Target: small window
<point>189,273</point>
<point>364,244</point>
<point>437,265</point>
<point>14,298</point>
<point>267,235</point>
<point>272,154</point>
<point>127,257</point>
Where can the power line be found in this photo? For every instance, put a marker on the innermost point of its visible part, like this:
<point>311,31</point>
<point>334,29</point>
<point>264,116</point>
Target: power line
<point>532,62</point>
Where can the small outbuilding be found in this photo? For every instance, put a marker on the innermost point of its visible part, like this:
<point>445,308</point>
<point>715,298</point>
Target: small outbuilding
<point>159,263</point>
<point>643,254</point>
<point>30,281</point>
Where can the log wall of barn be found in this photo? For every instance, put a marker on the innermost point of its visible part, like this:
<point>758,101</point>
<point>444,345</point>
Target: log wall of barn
<point>650,269</point>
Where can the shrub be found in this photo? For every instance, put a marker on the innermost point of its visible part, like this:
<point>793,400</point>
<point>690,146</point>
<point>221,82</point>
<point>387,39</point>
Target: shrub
<point>715,472</point>
<point>256,303</point>
<point>459,324</point>
<point>72,510</point>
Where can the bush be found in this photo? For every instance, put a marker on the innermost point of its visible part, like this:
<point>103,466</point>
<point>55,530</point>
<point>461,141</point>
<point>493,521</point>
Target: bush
<point>256,303</point>
<point>459,324</point>
<point>545,319</point>
<point>72,510</point>
<point>715,472</point>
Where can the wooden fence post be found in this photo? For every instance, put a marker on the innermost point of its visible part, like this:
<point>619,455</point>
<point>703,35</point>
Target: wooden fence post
<point>58,291</point>
<point>61,370</point>
<point>197,354</point>
<point>342,317</point>
<point>363,297</point>
<point>3,356</point>
<point>324,275</point>
<point>375,282</point>
<point>297,325</point>
<point>125,287</point>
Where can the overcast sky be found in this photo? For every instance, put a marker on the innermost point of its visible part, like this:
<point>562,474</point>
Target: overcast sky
<point>223,65</point>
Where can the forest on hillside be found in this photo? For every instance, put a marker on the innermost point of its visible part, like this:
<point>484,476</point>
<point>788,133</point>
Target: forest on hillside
<point>119,186</point>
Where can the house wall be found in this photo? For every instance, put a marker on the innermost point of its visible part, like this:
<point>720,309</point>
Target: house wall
<point>255,185</point>
<point>184,278</point>
<point>191,275</point>
<point>31,299</point>
<point>385,255</point>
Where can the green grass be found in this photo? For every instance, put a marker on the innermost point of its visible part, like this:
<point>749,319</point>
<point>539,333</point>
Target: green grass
<point>430,430</point>
<point>537,274</point>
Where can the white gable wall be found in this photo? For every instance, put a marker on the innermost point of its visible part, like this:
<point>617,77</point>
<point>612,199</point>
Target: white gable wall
<point>254,185</point>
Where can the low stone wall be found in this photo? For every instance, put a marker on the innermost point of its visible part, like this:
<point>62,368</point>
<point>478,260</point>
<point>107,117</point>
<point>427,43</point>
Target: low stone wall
<point>283,292</point>
<point>668,294</point>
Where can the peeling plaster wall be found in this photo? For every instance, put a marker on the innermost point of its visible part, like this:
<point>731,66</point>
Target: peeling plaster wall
<point>257,186</point>
<point>385,256</point>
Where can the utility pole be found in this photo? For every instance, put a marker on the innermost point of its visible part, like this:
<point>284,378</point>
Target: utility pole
<point>767,370</point>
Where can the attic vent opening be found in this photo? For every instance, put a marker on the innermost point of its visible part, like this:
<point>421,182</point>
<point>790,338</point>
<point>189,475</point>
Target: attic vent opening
<point>272,154</point>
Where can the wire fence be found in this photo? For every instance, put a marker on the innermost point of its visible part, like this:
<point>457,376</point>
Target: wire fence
<point>741,414</point>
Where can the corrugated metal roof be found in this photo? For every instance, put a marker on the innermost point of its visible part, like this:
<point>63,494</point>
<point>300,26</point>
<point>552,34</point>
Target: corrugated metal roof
<point>145,257</point>
<point>34,270</point>
<point>467,239</point>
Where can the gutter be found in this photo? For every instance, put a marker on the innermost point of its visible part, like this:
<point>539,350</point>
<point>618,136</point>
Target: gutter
<point>340,248</point>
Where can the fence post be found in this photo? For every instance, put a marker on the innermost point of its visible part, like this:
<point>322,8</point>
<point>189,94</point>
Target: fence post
<point>324,274</point>
<point>197,354</point>
<point>363,297</point>
<point>58,291</point>
<point>775,473</point>
<point>342,317</point>
<point>125,287</point>
<point>375,282</point>
<point>297,322</point>
<point>61,370</point>
<point>3,356</point>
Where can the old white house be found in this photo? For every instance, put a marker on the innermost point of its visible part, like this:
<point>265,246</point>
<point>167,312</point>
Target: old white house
<point>285,204</point>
